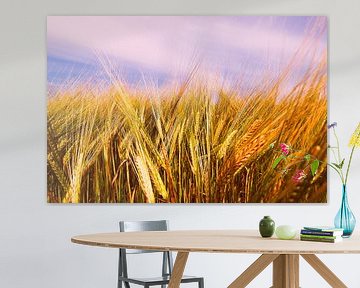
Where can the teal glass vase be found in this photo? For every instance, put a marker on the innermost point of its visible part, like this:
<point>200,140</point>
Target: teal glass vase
<point>345,219</point>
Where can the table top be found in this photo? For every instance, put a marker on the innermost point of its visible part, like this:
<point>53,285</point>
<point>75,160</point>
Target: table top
<point>217,241</point>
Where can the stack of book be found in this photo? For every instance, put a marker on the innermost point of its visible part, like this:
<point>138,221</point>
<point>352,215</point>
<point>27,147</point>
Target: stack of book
<point>321,234</point>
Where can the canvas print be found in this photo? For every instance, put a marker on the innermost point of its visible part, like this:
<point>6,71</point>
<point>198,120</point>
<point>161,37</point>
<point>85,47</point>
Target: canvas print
<point>186,109</point>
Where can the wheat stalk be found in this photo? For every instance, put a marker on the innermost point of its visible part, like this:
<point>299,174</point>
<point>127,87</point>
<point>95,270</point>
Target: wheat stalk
<point>124,145</point>
<point>144,179</point>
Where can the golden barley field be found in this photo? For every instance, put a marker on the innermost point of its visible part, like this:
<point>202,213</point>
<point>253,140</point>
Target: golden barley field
<point>186,144</point>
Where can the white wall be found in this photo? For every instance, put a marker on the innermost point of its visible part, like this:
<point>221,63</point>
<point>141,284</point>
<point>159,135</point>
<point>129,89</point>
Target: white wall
<point>35,248</point>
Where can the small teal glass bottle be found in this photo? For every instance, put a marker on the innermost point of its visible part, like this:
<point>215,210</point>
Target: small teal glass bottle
<point>345,219</point>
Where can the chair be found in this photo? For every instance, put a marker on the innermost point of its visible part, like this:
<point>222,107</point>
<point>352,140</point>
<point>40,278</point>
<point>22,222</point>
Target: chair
<point>167,265</point>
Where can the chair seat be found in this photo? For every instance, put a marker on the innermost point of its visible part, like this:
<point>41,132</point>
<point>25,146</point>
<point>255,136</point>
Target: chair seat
<point>158,280</point>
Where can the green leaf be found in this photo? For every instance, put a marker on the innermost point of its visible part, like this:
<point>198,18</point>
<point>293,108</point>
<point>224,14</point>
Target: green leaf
<point>314,167</point>
<point>339,166</point>
<point>335,164</point>
<point>332,166</point>
<point>342,164</point>
<point>307,157</point>
<point>272,145</point>
<point>277,161</point>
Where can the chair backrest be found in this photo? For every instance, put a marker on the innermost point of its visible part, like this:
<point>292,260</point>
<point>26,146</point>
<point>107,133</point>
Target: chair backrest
<point>137,226</point>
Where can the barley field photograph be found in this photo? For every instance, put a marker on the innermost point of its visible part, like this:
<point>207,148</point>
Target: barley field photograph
<point>187,109</point>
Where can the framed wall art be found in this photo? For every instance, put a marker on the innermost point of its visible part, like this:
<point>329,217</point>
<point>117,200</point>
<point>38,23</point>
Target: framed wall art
<point>186,109</point>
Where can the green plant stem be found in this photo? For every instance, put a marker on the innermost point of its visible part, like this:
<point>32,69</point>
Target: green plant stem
<point>337,171</point>
<point>337,144</point>
<point>339,157</point>
<point>333,152</point>
<point>348,166</point>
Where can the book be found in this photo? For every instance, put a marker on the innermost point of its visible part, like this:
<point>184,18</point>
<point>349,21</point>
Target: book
<point>321,233</point>
<point>320,237</point>
<point>323,228</point>
<point>325,240</point>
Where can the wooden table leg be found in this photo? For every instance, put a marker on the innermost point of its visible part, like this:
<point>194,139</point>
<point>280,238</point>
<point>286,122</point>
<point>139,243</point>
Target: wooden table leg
<point>323,270</point>
<point>178,269</point>
<point>253,270</point>
<point>286,271</point>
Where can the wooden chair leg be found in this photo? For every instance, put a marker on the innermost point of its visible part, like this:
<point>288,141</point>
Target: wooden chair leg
<point>253,270</point>
<point>324,271</point>
<point>178,269</point>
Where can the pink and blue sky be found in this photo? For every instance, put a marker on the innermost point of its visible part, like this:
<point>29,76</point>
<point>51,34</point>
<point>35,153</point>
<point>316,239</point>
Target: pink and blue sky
<point>165,48</point>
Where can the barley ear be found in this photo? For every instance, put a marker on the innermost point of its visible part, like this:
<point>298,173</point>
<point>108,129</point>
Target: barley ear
<point>144,179</point>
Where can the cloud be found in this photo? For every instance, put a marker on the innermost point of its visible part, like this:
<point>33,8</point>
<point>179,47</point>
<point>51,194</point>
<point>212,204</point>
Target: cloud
<point>171,44</point>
